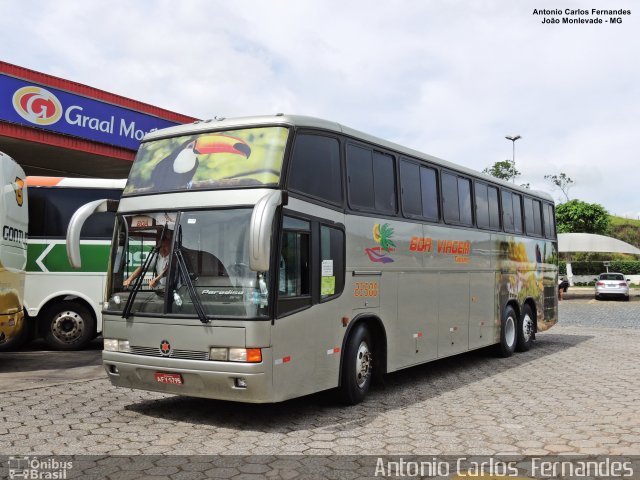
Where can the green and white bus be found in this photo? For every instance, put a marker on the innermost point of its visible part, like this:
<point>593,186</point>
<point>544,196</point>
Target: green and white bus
<point>285,255</point>
<point>63,304</point>
<point>13,248</point>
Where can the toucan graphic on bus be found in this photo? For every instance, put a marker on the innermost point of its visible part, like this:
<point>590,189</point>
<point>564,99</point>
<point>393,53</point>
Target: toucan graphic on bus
<point>176,171</point>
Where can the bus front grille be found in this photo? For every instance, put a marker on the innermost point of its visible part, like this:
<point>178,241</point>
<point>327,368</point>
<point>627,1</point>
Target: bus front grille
<point>181,354</point>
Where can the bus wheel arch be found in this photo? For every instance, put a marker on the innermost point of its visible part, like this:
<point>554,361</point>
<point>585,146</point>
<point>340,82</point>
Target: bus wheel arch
<point>67,323</point>
<point>527,326</point>
<point>365,337</point>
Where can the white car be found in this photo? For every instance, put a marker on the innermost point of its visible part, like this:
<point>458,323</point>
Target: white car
<point>612,284</point>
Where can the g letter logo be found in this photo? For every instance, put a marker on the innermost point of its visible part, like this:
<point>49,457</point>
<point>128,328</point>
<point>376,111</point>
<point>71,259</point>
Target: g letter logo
<point>37,105</point>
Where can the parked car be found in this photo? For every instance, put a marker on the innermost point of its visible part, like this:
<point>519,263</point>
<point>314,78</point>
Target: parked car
<point>612,285</point>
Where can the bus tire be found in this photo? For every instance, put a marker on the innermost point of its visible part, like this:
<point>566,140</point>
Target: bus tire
<point>526,329</point>
<point>22,338</point>
<point>357,366</point>
<point>68,326</point>
<point>508,330</point>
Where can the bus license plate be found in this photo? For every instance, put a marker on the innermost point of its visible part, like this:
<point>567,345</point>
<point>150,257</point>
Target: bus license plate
<point>170,378</point>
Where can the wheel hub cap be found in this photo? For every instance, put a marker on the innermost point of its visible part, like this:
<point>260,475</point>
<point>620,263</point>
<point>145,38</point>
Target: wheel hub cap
<point>510,331</point>
<point>363,364</point>
<point>527,327</point>
<point>67,326</point>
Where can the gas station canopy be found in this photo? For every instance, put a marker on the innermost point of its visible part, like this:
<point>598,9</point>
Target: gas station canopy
<point>57,127</point>
<point>589,242</point>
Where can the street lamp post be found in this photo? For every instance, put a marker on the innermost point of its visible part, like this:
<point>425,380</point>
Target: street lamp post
<point>513,139</point>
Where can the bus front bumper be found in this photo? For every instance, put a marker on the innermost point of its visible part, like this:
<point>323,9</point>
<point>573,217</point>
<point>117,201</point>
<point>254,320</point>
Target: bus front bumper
<point>10,325</point>
<point>240,382</point>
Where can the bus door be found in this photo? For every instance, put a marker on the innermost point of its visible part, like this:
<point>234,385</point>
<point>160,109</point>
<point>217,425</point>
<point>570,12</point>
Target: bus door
<point>294,330</point>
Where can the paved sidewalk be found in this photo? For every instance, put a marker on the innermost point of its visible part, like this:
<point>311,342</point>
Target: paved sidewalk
<point>576,391</point>
<point>589,292</point>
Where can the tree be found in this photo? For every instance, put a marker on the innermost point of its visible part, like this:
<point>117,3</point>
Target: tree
<point>561,181</point>
<point>505,170</point>
<point>576,216</point>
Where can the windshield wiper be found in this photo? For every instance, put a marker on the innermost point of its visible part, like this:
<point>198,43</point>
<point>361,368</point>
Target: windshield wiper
<point>138,282</point>
<point>184,273</point>
<point>126,312</point>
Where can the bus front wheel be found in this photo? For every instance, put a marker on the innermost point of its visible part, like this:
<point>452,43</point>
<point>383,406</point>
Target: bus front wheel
<point>68,326</point>
<point>508,332</point>
<point>357,366</point>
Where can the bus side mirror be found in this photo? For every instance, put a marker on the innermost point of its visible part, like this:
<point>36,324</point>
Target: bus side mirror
<point>260,231</point>
<point>76,223</point>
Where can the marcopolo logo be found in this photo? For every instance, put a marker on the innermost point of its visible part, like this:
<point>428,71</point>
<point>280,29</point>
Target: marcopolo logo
<point>37,105</point>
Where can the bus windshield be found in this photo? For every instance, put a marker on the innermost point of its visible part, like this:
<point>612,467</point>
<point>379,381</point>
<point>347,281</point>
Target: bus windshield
<point>236,158</point>
<point>183,263</point>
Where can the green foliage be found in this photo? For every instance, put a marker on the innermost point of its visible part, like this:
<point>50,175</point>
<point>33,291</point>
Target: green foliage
<point>505,170</point>
<point>596,268</point>
<point>631,222</point>
<point>576,216</point>
<point>627,230</point>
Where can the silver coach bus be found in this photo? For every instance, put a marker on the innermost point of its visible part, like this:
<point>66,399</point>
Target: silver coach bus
<point>260,259</point>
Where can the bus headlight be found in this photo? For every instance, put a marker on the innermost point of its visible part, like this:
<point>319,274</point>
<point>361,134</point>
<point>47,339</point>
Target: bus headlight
<point>115,345</point>
<point>219,354</point>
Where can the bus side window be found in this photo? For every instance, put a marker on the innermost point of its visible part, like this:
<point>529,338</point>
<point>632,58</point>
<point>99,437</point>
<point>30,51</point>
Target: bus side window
<point>456,199</point>
<point>371,180</point>
<point>549,221</point>
<point>332,261</point>
<point>494,208</point>
<point>315,168</point>
<point>507,211</point>
<point>294,267</point>
<point>517,212</point>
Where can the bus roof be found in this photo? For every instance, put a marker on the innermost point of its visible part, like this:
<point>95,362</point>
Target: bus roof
<point>35,181</point>
<point>202,126</point>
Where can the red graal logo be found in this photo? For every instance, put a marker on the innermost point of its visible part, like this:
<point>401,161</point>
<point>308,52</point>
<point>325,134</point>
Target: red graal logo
<point>37,105</point>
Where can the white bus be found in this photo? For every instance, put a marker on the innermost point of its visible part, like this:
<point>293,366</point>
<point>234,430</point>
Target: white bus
<point>13,250</point>
<point>63,304</point>
<point>295,255</point>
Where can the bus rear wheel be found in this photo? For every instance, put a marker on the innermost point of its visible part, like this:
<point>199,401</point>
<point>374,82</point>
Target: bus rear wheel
<point>68,326</point>
<point>526,329</point>
<point>508,332</point>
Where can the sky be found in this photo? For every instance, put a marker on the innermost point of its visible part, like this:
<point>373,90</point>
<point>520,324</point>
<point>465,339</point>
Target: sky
<point>450,78</point>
